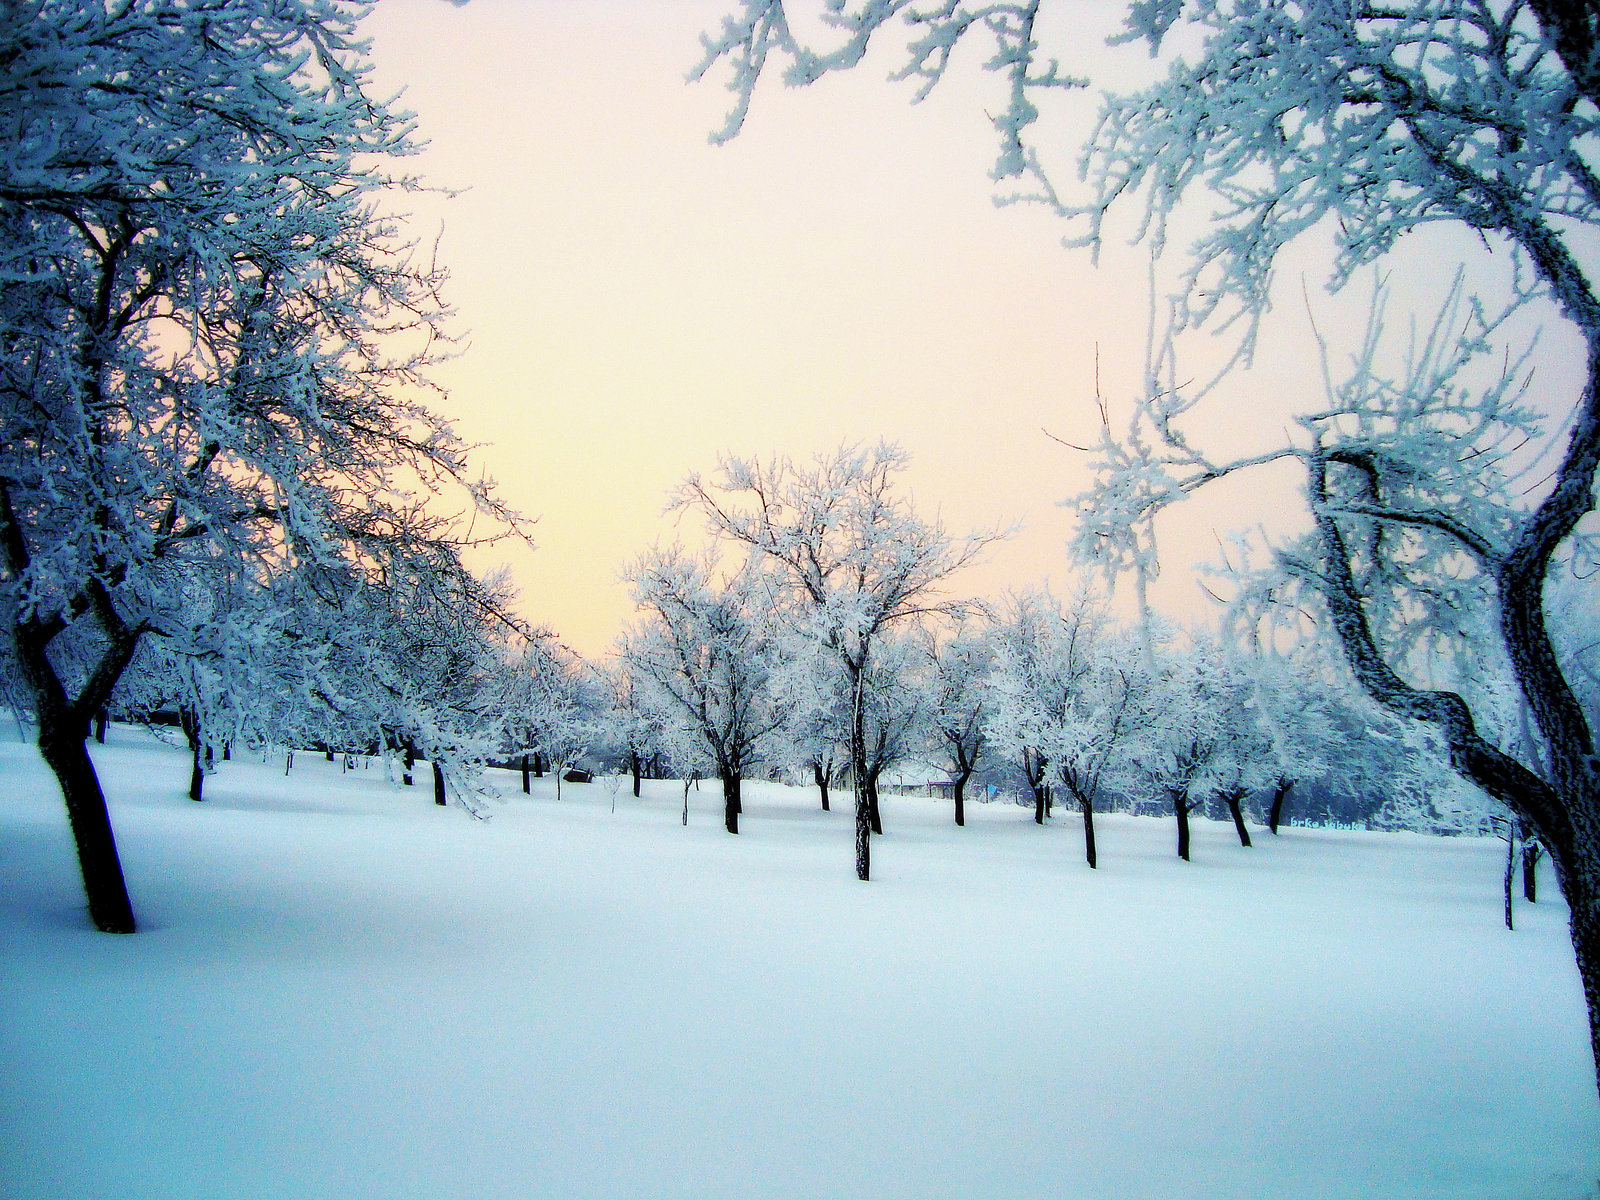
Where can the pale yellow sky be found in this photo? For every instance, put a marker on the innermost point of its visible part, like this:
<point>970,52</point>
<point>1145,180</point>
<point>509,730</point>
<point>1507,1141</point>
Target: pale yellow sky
<point>637,300</point>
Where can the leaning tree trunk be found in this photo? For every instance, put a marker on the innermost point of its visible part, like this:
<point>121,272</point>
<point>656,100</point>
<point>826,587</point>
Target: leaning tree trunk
<point>872,802</point>
<point>1235,802</point>
<point>821,777</point>
<point>1280,793</point>
<point>103,884</point>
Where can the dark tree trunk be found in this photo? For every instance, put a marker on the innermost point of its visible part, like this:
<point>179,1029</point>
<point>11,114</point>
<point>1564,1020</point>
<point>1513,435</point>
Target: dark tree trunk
<point>1280,793</point>
<point>189,720</point>
<point>1235,802</point>
<point>227,751</point>
<point>872,802</point>
<point>1033,765</point>
<point>527,788</point>
<point>100,720</point>
<point>858,776</point>
<point>636,764</point>
<point>1511,869</point>
<point>731,806</point>
<point>328,754</point>
<point>103,883</point>
<point>960,793</point>
<point>821,777</point>
<point>438,784</point>
<point>288,762</point>
<point>1180,808</point>
<point>411,761</point>
<point>1531,851</point>
<point>538,765</point>
<point>1088,829</point>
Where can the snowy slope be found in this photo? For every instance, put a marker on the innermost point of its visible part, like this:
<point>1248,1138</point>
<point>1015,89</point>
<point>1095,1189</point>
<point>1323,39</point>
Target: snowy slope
<point>342,991</point>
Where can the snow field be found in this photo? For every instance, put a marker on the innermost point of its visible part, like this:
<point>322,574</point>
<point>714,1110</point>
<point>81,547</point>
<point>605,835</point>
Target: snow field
<point>342,991</point>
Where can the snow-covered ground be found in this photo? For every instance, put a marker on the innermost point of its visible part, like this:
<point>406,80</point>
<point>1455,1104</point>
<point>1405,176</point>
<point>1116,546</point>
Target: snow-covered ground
<point>343,991</point>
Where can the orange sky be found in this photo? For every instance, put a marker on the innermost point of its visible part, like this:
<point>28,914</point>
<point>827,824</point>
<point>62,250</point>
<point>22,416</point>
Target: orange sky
<point>637,300</point>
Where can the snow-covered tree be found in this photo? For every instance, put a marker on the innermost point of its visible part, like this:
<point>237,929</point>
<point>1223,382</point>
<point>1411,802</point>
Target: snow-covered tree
<point>958,661</point>
<point>552,705</point>
<point>1363,122</point>
<point>1198,737</point>
<point>894,710</point>
<point>705,649</point>
<point>814,696</point>
<point>1067,694</point>
<point>212,341</point>
<point>855,559</point>
<point>631,725</point>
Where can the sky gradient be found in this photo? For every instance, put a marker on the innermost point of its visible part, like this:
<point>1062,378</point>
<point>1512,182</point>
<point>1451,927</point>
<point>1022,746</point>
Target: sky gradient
<point>635,300</point>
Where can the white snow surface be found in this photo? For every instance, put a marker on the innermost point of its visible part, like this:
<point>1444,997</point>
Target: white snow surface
<point>343,991</point>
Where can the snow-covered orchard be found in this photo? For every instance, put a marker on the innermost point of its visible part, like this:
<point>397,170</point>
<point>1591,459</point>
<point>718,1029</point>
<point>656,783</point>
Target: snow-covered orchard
<point>381,951</point>
<point>340,989</point>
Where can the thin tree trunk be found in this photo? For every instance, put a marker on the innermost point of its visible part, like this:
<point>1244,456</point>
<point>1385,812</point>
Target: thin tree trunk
<point>1088,829</point>
<point>636,764</point>
<point>1511,869</point>
<point>960,792</point>
<point>411,761</point>
<point>100,721</point>
<point>103,883</point>
<point>1236,811</point>
<point>1180,808</point>
<point>1531,852</point>
<point>821,777</point>
<point>438,784</point>
<point>526,787</point>
<point>872,802</point>
<point>1280,793</point>
<point>858,779</point>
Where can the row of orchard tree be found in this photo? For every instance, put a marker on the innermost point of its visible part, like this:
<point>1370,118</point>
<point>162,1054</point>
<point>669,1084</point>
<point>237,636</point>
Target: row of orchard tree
<point>215,451</point>
<point>1449,489</point>
<point>828,643</point>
